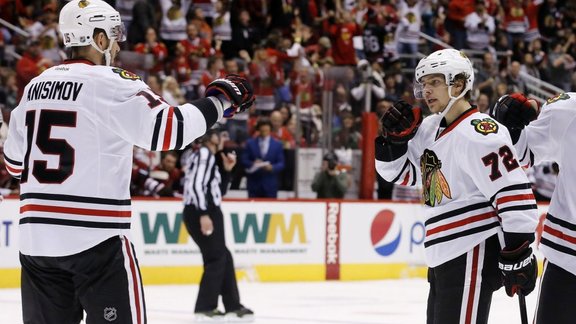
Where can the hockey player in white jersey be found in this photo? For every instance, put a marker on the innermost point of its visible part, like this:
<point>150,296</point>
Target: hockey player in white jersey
<point>480,213</point>
<point>70,143</point>
<point>550,138</point>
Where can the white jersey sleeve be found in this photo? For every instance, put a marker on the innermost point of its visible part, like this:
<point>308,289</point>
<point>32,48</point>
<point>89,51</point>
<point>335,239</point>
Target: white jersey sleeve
<point>542,139</point>
<point>14,146</point>
<point>145,119</point>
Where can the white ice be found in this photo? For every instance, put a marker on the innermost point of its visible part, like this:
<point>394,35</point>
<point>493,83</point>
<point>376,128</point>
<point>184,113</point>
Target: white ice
<point>349,302</point>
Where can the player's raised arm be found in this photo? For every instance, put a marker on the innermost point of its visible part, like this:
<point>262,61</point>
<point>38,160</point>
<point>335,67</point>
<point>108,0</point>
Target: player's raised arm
<point>144,118</point>
<point>398,126</point>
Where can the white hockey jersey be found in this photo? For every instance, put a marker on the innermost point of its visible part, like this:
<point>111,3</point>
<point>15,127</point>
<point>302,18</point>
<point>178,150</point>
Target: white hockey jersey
<point>473,185</point>
<point>550,138</point>
<point>70,142</point>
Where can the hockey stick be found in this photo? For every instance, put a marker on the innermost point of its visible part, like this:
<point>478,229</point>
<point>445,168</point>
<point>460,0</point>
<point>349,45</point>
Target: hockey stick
<point>522,302</point>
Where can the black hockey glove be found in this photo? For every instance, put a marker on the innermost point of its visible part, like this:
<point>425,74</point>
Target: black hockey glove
<point>519,270</point>
<point>514,111</point>
<point>400,123</point>
<point>236,89</point>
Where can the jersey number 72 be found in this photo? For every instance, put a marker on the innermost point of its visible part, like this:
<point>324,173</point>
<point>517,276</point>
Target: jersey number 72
<point>492,160</point>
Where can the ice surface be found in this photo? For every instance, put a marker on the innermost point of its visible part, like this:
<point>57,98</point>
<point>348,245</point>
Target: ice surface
<point>349,302</point>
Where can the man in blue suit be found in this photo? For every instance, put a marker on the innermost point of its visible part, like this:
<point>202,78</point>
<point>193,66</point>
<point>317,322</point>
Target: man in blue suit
<point>263,159</point>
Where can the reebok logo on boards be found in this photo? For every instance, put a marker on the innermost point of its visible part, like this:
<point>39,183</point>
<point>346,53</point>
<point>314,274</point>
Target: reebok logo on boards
<point>332,234</point>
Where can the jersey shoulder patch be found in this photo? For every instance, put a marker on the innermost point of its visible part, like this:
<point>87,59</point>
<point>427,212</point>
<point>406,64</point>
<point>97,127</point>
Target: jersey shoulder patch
<point>484,126</point>
<point>562,96</point>
<point>127,75</point>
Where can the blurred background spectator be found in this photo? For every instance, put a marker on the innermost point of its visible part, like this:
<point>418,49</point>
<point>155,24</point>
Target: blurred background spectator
<point>543,178</point>
<point>330,182</point>
<point>312,64</point>
<point>263,160</point>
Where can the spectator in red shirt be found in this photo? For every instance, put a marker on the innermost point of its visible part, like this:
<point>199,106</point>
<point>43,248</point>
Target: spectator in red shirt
<point>170,175</point>
<point>179,67</point>
<point>457,11</point>
<point>342,33</point>
<point>30,65</point>
<point>204,28</point>
<point>154,47</point>
<point>266,75</point>
<point>279,131</point>
<point>196,47</point>
<point>214,70</point>
<point>514,22</point>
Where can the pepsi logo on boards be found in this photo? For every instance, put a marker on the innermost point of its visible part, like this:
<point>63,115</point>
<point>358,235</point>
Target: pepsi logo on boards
<point>385,232</point>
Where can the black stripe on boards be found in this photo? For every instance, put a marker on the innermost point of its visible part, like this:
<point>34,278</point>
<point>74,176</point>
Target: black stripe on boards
<point>561,222</point>
<point>80,199</point>
<point>461,234</point>
<point>156,134</point>
<point>12,161</point>
<point>457,212</point>
<point>406,165</point>
<point>75,223</point>
<point>520,186</point>
<point>557,247</point>
<point>516,208</point>
<point>179,128</point>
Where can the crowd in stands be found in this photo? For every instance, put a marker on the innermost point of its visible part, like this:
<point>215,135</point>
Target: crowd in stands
<point>298,53</point>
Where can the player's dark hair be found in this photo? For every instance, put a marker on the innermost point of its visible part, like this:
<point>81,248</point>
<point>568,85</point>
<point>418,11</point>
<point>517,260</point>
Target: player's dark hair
<point>463,77</point>
<point>263,122</point>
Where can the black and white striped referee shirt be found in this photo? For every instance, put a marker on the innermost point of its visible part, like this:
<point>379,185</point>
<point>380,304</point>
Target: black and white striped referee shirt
<point>204,184</point>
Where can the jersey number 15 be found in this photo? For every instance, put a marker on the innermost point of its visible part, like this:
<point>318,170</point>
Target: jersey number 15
<point>49,146</point>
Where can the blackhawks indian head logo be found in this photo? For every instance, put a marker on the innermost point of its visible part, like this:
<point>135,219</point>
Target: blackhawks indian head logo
<point>434,182</point>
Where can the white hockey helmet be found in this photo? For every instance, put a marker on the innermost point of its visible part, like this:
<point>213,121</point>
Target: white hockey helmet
<point>448,62</point>
<point>79,18</point>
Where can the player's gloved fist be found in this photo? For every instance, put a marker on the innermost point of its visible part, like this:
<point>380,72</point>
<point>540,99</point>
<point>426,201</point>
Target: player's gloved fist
<point>519,270</point>
<point>236,89</point>
<point>514,111</point>
<point>400,122</point>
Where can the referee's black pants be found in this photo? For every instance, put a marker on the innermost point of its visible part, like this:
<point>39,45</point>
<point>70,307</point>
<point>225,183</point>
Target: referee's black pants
<point>219,277</point>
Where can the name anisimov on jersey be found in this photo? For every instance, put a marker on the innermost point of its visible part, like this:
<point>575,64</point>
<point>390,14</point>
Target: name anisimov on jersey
<point>54,90</point>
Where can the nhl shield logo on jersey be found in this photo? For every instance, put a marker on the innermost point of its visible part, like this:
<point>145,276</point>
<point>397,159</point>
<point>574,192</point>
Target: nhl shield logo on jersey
<point>126,74</point>
<point>485,126</point>
<point>433,180</point>
<point>110,314</point>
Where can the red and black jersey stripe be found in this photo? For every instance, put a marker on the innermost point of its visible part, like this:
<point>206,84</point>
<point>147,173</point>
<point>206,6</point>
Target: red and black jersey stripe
<point>172,122</point>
